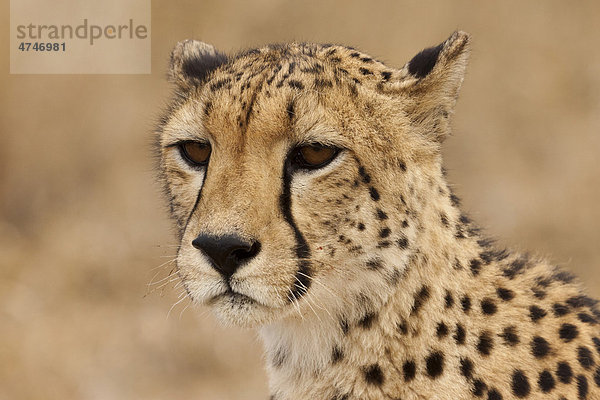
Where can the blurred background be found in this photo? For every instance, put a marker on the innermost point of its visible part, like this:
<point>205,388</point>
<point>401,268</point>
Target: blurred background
<point>84,230</point>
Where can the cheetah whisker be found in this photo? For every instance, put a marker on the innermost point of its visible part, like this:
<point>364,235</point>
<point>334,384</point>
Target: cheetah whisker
<point>308,302</point>
<point>294,301</point>
<point>181,297</point>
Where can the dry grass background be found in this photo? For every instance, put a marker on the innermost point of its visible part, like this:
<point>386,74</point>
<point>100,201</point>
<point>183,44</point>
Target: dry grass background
<point>82,225</point>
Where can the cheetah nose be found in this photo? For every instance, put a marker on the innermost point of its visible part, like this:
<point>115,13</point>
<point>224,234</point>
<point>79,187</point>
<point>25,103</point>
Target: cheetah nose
<point>226,252</point>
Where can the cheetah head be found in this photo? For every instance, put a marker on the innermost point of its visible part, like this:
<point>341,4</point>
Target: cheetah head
<point>297,174</point>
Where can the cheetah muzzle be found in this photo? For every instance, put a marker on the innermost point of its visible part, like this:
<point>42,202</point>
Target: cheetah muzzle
<point>308,193</point>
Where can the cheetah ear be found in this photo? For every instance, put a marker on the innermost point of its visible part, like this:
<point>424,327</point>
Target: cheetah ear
<point>431,81</point>
<point>191,63</point>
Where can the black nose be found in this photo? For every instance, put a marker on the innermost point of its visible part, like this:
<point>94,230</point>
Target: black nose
<point>227,252</point>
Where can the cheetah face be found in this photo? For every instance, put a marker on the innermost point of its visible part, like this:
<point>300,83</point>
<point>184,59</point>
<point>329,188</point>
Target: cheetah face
<point>286,171</point>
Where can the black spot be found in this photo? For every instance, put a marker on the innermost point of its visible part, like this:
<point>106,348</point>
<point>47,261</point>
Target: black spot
<point>374,193</point>
<point>460,334</point>
<point>313,69</point>
<point>509,334</point>
<point>596,343</point>
<point>435,364</point>
<point>291,67</point>
<point>219,84</point>
<point>384,244</point>
<point>597,377</point>
<point>493,394</point>
<point>536,313</point>
<point>464,219</point>
<point>375,264</point>
<point>485,344</point>
<point>466,367</point>
<point>295,84</point>
<point>489,255</point>
<point>581,301</point>
<point>208,106</point>
<point>488,306</point>
<point>394,278</point>
<point>568,332</point>
<point>500,255</point>
<point>505,294</point>
<point>344,326</point>
<point>274,74</point>
<point>465,302</point>
<point>582,386</point>
<point>586,318</point>
<point>365,71</point>
<point>485,242</point>
<point>409,370</point>
<point>444,219</point>
<point>520,384</point>
<point>422,64</point>
<point>402,327</point>
<point>384,232</point>
<point>353,90</point>
<point>539,347</point>
<point>367,320</point>
<point>381,215</point>
<point>402,165</point>
<point>585,357</point>
<point>402,243</point>
<point>475,266</point>
<point>516,267</point>
<point>564,372</point>
<point>279,358</point>
<point>361,226</point>
<point>543,282</point>
<point>336,355</point>
<point>449,300</point>
<point>560,309</point>
<point>386,75</point>
<point>323,83</point>
<point>479,387</point>
<point>366,178</point>
<point>563,276</point>
<point>455,200</point>
<point>441,330</point>
<point>420,298</point>
<point>290,110</point>
<point>546,381</point>
<point>339,396</point>
<point>373,375</point>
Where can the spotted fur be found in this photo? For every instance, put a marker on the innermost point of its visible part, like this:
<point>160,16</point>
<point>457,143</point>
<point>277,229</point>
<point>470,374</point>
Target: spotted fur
<point>370,283</point>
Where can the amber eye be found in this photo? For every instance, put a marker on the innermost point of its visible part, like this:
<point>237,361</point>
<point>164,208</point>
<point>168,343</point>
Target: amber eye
<point>313,156</point>
<point>195,153</point>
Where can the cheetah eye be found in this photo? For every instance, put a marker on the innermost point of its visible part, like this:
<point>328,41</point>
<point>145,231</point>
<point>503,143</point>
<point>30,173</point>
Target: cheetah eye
<point>195,153</point>
<point>313,156</point>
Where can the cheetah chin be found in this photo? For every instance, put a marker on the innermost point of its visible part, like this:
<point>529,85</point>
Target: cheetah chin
<point>307,188</point>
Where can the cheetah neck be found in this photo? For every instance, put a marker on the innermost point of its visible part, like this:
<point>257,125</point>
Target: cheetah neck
<point>301,351</point>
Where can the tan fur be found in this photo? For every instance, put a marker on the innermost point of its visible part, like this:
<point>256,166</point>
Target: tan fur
<point>378,300</point>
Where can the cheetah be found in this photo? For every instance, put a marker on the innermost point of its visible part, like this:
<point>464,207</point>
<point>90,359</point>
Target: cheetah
<point>307,189</point>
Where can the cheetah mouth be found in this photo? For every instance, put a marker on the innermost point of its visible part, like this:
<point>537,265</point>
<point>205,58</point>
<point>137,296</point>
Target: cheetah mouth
<point>234,298</point>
